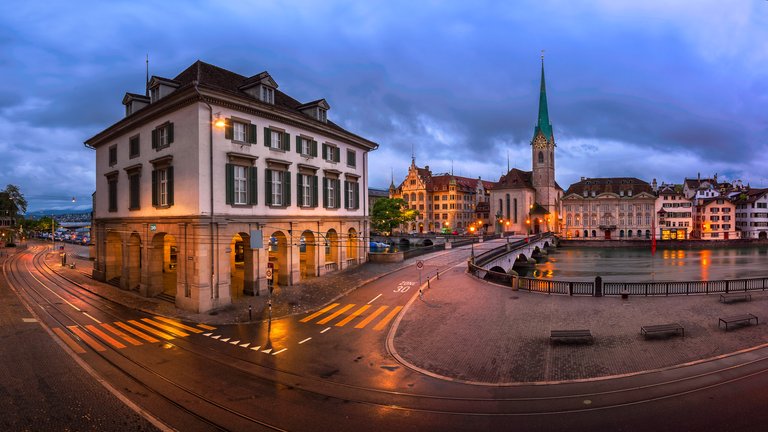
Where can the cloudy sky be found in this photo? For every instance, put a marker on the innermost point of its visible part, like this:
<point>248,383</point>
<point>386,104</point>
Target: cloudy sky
<point>653,89</point>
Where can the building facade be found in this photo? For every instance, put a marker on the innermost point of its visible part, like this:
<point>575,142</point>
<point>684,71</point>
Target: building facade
<point>674,213</point>
<point>445,202</point>
<point>525,202</point>
<point>619,208</point>
<point>715,219</point>
<point>752,213</point>
<point>213,181</point>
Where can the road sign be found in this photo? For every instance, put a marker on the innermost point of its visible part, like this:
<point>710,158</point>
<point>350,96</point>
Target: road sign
<point>419,265</point>
<point>269,274</point>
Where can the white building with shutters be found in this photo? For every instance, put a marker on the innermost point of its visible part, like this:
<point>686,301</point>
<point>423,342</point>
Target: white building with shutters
<point>214,177</point>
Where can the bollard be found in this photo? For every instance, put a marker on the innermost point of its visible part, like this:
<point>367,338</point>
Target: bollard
<point>250,313</point>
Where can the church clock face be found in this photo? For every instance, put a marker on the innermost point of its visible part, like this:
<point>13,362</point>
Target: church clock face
<point>540,143</point>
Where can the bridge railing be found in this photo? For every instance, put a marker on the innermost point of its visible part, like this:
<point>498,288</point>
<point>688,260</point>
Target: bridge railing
<point>490,255</point>
<point>685,287</point>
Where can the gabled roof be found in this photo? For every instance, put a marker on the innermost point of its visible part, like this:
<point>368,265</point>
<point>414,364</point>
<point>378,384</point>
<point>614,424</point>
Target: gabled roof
<point>515,179</point>
<point>750,196</point>
<point>610,185</point>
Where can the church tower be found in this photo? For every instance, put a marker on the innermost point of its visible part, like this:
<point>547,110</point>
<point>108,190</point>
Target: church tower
<point>543,157</point>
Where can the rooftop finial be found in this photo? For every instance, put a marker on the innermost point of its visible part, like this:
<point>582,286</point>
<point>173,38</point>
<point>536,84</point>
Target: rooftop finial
<point>146,82</point>
<point>542,56</point>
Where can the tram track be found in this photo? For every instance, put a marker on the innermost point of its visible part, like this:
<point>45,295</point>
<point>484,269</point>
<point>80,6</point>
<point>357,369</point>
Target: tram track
<point>440,404</point>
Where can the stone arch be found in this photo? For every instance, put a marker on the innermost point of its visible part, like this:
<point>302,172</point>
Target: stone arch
<point>307,255</point>
<point>621,233</point>
<point>647,234</point>
<point>162,265</point>
<point>241,267</point>
<point>763,235</point>
<point>496,274</point>
<point>278,257</point>
<point>353,244</point>
<point>594,233</point>
<point>403,244</point>
<point>114,258</point>
<point>541,157</point>
<point>586,233</point>
<point>428,242</point>
<point>134,262</point>
<point>332,248</point>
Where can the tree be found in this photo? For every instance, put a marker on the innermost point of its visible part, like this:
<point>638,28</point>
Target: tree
<point>389,213</point>
<point>12,199</point>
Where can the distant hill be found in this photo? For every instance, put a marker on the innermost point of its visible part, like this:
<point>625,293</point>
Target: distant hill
<point>86,214</point>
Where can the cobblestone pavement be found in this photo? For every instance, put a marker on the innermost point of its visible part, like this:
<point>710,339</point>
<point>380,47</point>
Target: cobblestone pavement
<point>467,329</point>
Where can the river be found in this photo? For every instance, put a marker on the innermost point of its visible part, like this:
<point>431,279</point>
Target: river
<point>637,264</point>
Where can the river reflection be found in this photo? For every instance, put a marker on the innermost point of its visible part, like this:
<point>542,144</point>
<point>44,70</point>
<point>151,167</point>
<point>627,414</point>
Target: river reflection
<point>637,264</point>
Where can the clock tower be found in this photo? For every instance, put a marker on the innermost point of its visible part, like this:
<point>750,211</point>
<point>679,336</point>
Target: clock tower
<point>543,157</point>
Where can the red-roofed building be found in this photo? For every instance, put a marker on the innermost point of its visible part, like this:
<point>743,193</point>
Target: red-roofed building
<point>445,202</point>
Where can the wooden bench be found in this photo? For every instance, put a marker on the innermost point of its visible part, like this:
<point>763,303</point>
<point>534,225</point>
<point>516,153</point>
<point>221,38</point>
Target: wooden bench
<point>662,328</point>
<point>734,297</point>
<point>571,335</point>
<point>737,319</point>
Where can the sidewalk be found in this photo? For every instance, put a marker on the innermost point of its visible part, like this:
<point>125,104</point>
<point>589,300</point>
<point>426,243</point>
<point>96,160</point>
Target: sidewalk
<point>298,299</point>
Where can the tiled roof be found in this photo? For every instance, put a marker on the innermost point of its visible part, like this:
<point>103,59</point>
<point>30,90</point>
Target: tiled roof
<point>515,179</point>
<point>610,185</point>
<point>750,196</point>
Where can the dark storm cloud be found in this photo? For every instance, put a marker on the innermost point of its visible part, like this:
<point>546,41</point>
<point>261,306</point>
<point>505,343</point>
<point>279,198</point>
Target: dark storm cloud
<point>451,82</point>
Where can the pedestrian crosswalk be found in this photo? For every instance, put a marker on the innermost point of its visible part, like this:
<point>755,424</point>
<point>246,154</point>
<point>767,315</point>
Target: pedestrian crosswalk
<point>360,315</point>
<point>121,335</point>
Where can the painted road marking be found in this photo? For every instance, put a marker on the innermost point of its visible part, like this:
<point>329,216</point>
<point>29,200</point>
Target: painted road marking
<point>28,320</point>
<point>86,314</point>
<point>207,334</point>
<point>216,337</point>
<point>151,330</point>
<point>235,342</point>
<point>136,332</point>
<point>371,317</point>
<point>68,340</point>
<point>326,329</point>
<point>105,337</point>
<point>167,328</point>
<point>117,332</point>
<point>305,340</point>
<point>87,339</point>
<point>374,299</point>
<point>245,345</point>
<point>267,351</point>
<point>256,348</point>
<point>278,352</point>
<point>206,327</point>
<point>225,340</point>
<point>178,324</point>
<point>318,313</point>
<point>335,314</point>
<point>383,323</point>
<point>352,316</point>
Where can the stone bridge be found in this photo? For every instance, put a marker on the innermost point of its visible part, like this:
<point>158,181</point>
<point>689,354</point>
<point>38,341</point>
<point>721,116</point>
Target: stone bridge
<point>521,252</point>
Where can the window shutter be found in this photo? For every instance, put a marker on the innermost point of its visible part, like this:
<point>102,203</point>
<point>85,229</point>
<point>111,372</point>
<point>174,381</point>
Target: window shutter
<point>252,133</point>
<point>170,133</point>
<point>154,138</point>
<point>357,195</point>
<point>346,194</point>
<point>268,187</point>
<point>337,154</point>
<point>325,151</point>
<point>298,144</point>
<point>314,191</point>
<point>337,191</point>
<point>325,191</point>
<point>170,185</point>
<point>313,148</point>
<point>154,183</point>
<point>253,187</point>
<point>228,129</point>
<point>230,184</point>
<point>299,190</point>
<point>286,141</point>
<point>287,188</point>
<point>267,137</point>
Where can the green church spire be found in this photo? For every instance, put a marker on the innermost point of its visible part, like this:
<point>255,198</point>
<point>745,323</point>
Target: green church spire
<point>543,124</point>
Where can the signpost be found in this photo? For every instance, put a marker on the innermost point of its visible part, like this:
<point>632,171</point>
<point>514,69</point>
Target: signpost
<point>419,265</point>
<point>270,285</point>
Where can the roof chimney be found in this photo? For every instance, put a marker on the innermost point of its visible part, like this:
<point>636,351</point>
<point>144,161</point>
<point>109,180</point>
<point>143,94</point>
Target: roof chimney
<point>583,178</point>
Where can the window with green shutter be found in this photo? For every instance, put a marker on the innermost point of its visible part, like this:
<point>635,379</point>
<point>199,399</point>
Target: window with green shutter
<point>253,187</point>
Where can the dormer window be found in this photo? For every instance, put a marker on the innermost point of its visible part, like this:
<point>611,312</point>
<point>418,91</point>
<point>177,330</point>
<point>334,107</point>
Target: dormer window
<point>154,94</point>
<point>267,95</point>
<point>629,192</point>
<point>322,114</point>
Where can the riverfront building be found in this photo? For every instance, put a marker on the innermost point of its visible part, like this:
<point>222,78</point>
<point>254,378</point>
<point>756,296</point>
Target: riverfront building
<point>674,213</point>
<point>529,201</point>
<point>609,209</point>
<point>215,180</point>
<point>752,213</point>
<point>715,219</point>
<point>445,202</point>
